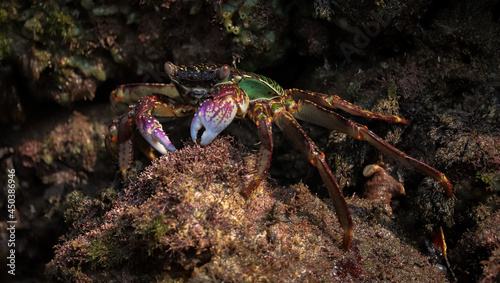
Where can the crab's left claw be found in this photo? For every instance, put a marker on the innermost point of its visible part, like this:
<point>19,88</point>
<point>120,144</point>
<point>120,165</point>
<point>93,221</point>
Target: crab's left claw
<point>218,111</point>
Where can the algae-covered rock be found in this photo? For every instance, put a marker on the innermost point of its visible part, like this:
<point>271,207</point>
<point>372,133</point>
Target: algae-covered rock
<point>61,51</point>
<point>184,219</point>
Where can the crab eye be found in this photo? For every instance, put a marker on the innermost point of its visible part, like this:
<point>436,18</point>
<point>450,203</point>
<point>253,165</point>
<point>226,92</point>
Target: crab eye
<point>171,69</point>
<point>224,72</point>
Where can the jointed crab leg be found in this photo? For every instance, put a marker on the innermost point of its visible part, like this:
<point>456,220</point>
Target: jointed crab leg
<point>291,127</point>
<point>311,112</point>
<point>333,101</point>
<point>130,94</point>
<point>261,115</point>
<point>119,142</point>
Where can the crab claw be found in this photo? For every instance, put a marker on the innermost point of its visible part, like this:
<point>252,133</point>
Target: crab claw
<point>152,131</point>
<point>149,127</point>
<point>217,112</point>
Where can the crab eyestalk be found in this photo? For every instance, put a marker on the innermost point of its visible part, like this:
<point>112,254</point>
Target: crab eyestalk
<point>218,111</point>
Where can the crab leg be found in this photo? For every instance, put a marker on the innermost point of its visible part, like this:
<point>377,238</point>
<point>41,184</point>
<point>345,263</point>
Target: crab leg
<point>261,115</point>
<point>291,127</point>
<point>311,112</point>
<point>130,93</point>
<point>119,142</point>
<point>333,101</point>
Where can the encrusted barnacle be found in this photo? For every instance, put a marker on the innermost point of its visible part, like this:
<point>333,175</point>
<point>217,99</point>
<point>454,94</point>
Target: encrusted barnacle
<point>381,186</point>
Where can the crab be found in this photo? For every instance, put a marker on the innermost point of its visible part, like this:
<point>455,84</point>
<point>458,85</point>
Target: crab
<point>217,94</point>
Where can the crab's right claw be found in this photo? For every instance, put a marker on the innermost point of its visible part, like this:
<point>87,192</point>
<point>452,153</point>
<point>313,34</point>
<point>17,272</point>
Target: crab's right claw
<point>217,112</point>
<point>149,127</point>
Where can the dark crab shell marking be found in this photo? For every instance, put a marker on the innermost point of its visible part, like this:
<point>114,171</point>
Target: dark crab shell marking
<point>203,72</point>
<point>206,75</point>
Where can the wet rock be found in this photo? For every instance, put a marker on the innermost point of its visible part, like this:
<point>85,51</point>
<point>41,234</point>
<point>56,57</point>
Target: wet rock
<point>185,214</point>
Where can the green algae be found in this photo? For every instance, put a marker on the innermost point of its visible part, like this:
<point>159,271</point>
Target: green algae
<point>89,69</point>
<point>105,252</point>
<point>249,23</point>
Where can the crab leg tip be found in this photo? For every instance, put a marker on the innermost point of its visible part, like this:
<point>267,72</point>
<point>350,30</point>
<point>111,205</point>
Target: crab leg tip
<point>346,242</point>
<point>448,187</point>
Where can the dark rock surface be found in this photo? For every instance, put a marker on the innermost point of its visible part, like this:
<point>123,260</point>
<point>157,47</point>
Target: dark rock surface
<point>434,63</point>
